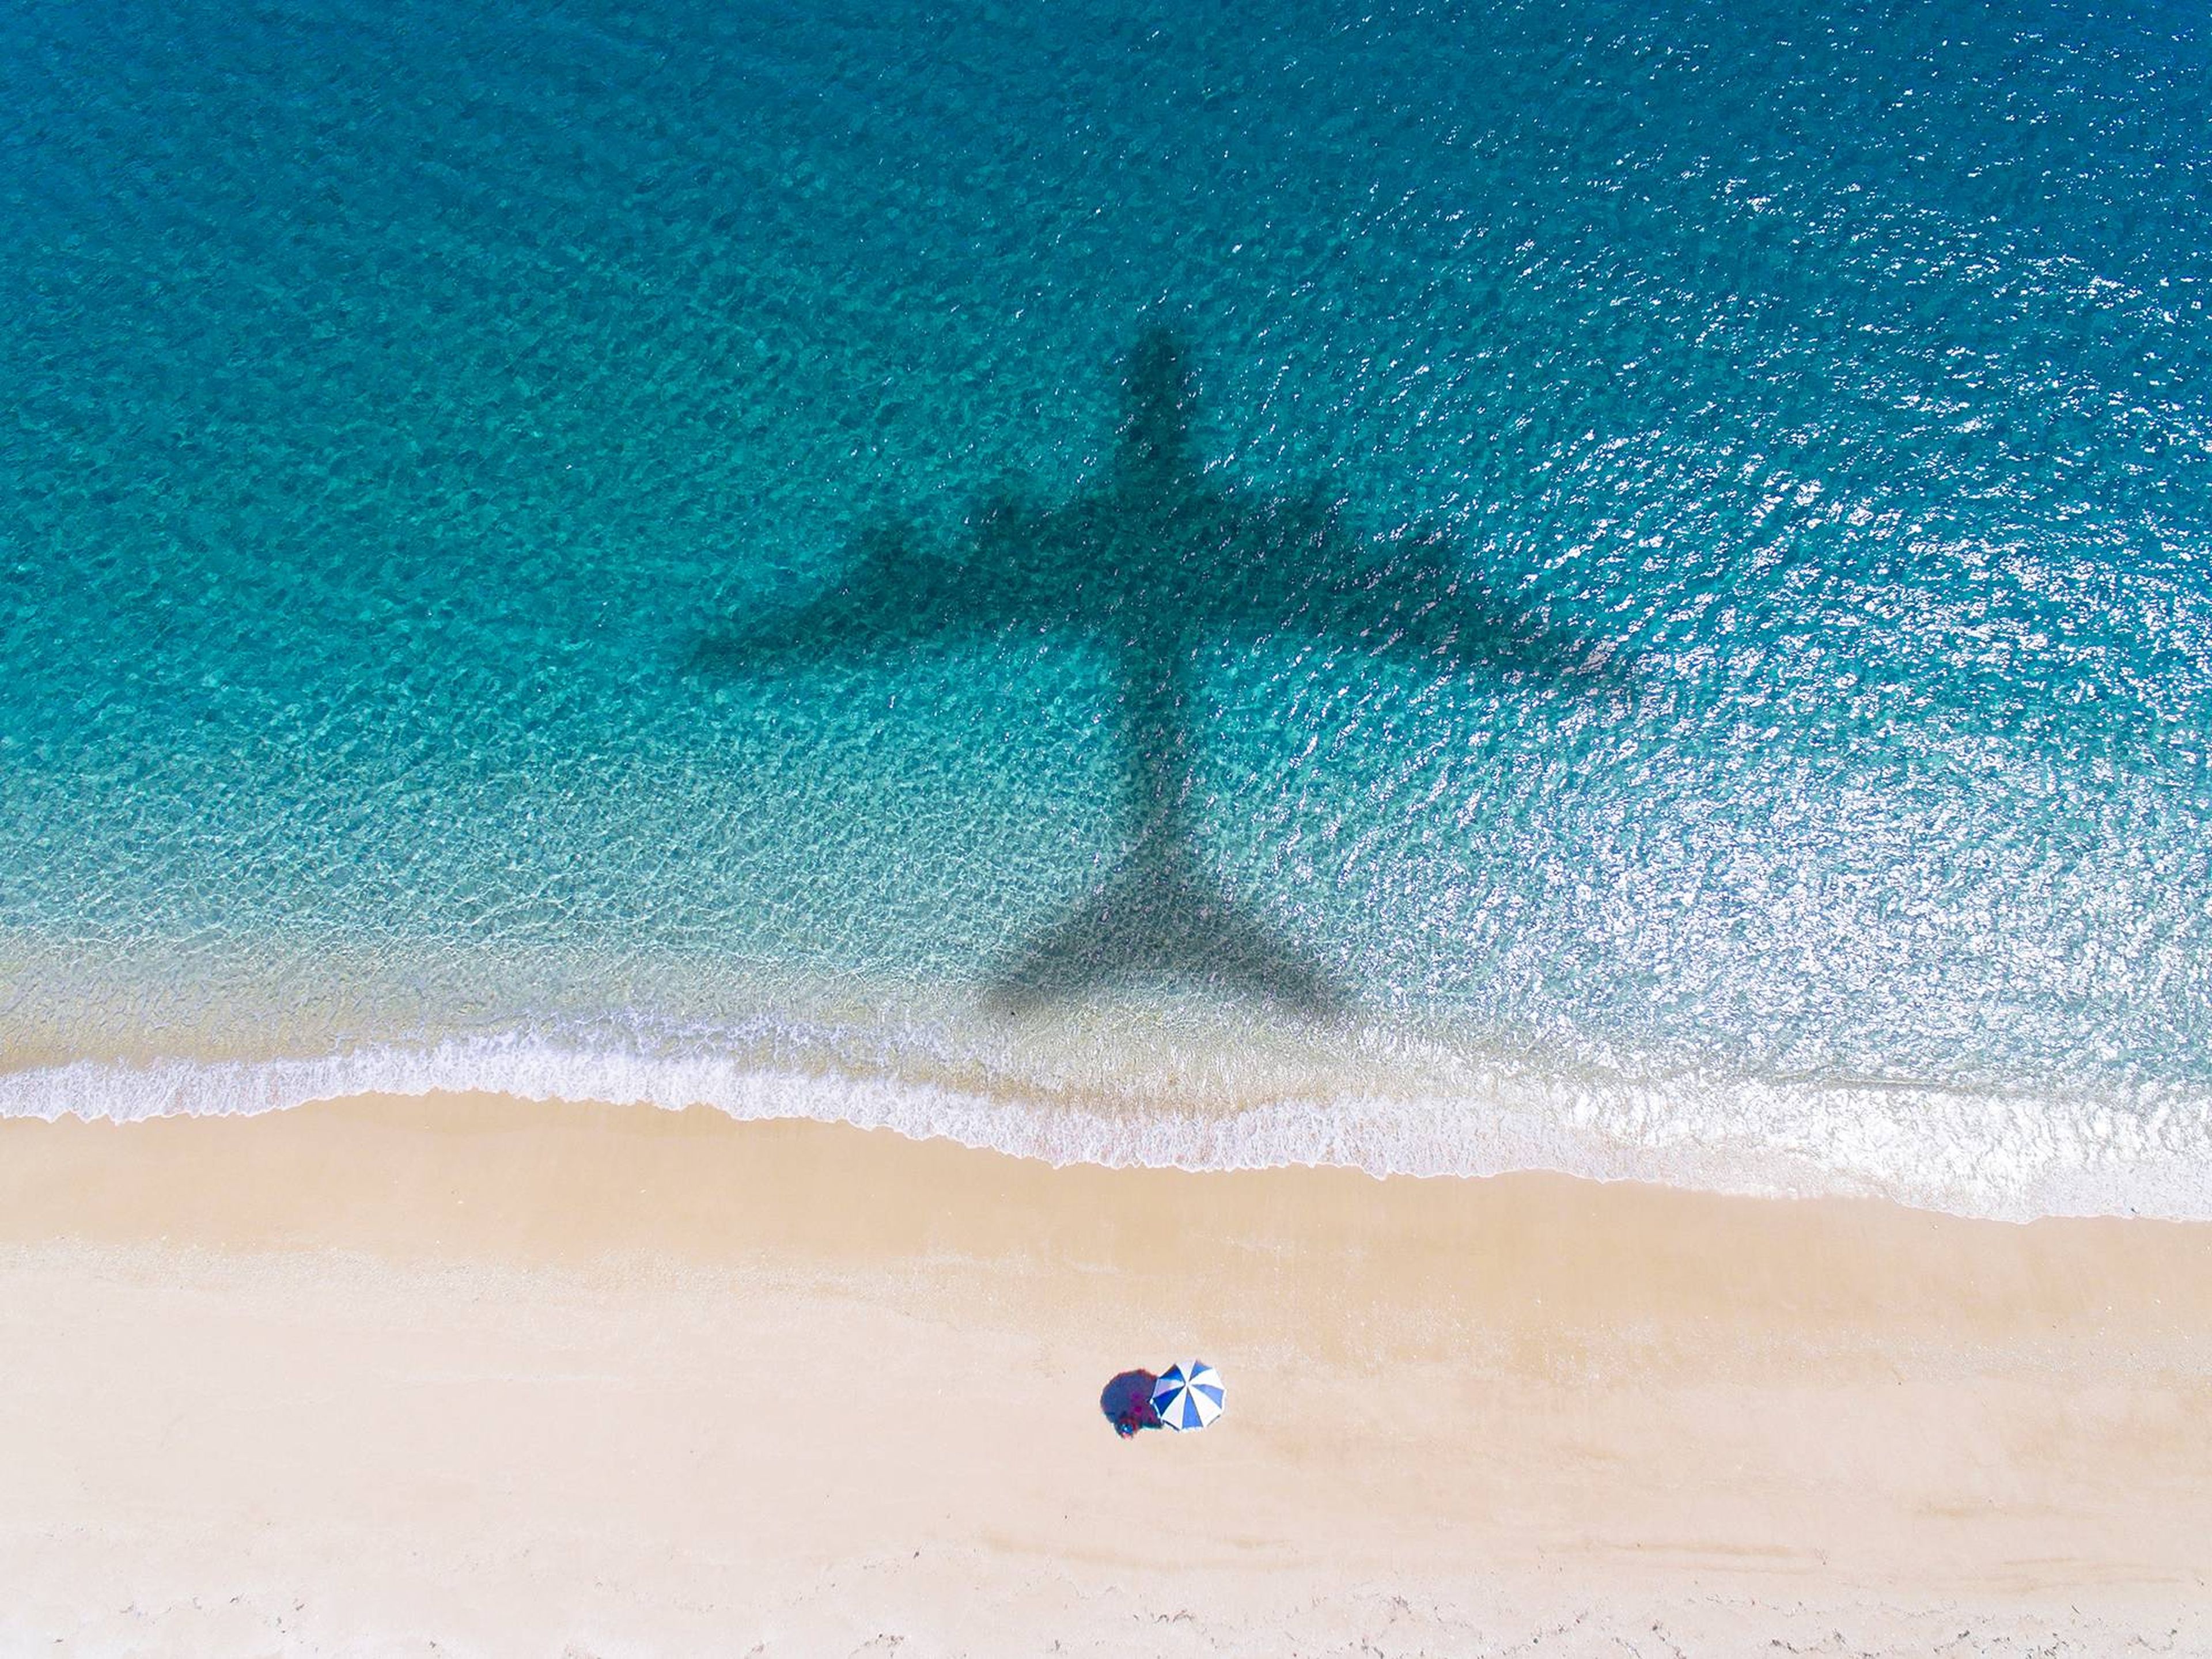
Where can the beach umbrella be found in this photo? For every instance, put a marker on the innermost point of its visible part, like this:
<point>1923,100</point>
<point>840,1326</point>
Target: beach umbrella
<point>1187,1396</point>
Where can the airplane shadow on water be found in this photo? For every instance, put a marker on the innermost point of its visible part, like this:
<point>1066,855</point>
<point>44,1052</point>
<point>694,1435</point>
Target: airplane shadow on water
<point>1159,562</point>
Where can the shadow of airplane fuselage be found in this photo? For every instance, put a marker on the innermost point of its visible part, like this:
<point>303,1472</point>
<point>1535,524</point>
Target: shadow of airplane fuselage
<point>1160,563</point>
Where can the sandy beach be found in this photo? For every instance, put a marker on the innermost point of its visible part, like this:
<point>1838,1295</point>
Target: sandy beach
<point>476,1376</point>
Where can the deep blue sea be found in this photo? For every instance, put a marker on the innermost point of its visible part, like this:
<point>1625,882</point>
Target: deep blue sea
<point>1616,587</point>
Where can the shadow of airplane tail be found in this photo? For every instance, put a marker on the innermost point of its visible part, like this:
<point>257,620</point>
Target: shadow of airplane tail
<point>1156,919</point>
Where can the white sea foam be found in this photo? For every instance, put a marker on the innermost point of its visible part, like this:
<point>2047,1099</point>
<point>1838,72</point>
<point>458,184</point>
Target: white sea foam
<point>2008,1157</point>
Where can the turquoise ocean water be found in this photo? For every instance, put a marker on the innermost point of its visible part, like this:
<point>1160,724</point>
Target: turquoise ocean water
<point>680,552</point>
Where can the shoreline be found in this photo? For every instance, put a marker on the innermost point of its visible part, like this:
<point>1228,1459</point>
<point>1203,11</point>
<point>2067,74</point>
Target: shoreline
<point>647,1380</point>
<point>1977,1156</point>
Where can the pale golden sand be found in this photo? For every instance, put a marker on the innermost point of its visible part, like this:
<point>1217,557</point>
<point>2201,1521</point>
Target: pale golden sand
<point>472,1376</point>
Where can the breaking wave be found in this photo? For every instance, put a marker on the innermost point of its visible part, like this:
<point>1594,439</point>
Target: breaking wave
<point>1995,1156</point>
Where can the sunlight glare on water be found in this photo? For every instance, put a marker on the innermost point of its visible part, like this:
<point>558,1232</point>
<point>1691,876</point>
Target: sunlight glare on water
<point>436,436</point>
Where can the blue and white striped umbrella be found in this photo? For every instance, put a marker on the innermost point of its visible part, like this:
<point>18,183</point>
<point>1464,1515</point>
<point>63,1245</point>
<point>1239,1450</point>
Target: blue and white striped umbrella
<point>1187,1396</point>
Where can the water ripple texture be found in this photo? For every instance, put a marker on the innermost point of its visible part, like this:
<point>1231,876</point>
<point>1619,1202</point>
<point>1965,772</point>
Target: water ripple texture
<point>1443,588</point>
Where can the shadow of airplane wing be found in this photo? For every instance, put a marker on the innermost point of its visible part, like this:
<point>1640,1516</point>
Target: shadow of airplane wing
<point>1419,598</point>
<point>899,595</point>
<point>1156,920</point>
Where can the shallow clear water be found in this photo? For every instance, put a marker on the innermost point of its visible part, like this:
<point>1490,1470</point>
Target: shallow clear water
<point>420,423</point>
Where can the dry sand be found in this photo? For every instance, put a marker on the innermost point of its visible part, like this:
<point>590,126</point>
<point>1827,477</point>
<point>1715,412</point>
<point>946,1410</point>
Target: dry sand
<point>471,1376</point>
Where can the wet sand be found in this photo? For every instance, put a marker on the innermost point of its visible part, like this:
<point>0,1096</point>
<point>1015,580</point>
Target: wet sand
<point>468,1375</point>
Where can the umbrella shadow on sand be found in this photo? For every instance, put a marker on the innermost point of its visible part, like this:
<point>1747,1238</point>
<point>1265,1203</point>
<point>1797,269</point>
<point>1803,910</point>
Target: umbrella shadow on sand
<point>1160,562</point>
<point>1127,1403</point>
